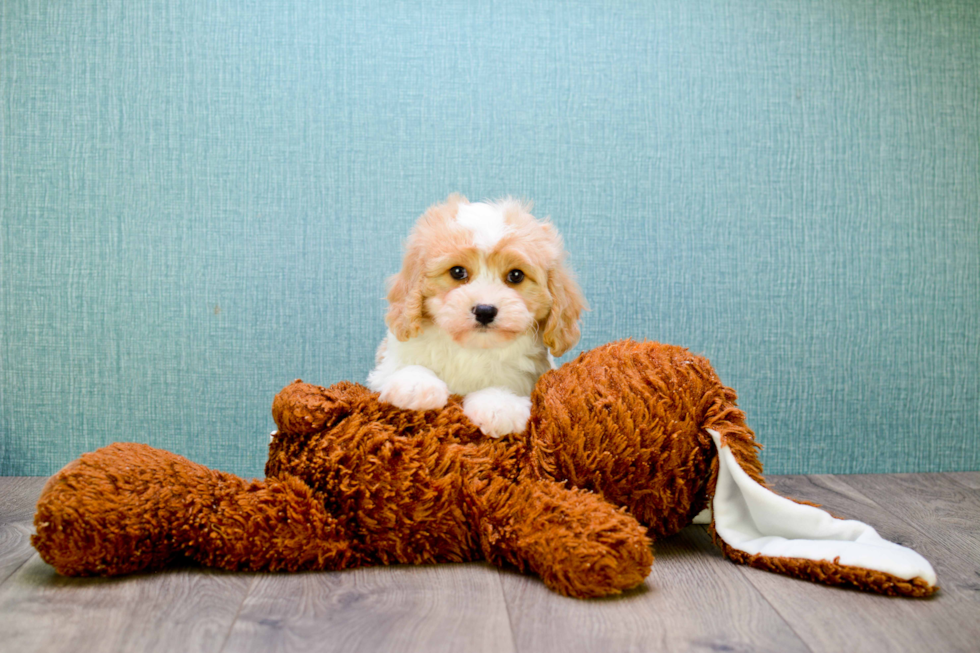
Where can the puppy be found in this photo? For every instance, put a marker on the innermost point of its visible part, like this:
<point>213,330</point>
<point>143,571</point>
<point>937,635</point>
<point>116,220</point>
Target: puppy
<point>481,304</point>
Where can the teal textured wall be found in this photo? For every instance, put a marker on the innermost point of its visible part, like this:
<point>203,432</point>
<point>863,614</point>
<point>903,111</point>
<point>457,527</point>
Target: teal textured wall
<point>201,200</point>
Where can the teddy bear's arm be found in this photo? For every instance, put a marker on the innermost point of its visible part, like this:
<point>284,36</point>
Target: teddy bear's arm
<point>578,543</point>
<point>303,408</point>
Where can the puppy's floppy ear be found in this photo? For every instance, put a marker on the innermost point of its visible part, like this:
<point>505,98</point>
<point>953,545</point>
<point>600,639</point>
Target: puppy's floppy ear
<point>405,299</point>
<point>405,290</point>
<point>561,330</point>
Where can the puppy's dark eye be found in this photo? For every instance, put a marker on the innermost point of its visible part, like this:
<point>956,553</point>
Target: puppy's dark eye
<point>458,272</point>
<point>515,276</point>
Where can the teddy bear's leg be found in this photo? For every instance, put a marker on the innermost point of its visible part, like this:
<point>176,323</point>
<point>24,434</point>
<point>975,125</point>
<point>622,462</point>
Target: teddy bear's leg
<point>129,507</point>
<point>579,544</point>
<point>278,524</point>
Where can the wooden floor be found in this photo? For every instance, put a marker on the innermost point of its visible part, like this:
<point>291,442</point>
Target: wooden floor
<point>693,600</point>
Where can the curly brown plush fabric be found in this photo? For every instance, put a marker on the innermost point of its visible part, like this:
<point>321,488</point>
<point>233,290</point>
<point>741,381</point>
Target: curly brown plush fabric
<point>615,453</point>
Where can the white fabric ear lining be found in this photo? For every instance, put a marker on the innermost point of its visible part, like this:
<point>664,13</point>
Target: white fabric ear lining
<point>750,518</point>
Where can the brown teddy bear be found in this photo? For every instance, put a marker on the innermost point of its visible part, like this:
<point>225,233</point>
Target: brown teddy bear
<point>626,443</point>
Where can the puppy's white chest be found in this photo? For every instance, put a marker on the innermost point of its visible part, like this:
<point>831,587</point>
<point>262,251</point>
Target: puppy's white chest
<point>516,366</point>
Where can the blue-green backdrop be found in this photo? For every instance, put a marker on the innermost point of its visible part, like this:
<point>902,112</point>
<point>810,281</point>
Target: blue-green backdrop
<point>201,200</point>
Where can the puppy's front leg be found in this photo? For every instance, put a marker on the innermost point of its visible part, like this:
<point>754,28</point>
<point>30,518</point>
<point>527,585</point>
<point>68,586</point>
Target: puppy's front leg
<point>414,387</point>
<point>497,411</point>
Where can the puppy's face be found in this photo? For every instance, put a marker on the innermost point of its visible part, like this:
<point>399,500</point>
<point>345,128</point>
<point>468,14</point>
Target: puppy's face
<point>492,286</point>
<point>485,274</point>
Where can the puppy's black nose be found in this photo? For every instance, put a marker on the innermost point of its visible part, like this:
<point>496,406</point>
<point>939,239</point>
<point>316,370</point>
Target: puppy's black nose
<point>484,313</point>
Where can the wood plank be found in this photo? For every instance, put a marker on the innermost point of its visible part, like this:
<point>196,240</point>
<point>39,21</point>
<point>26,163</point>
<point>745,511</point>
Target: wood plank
<point>834,619</point>
<point>18,496</point>
<point>15,548</point>
<point>693,600</point>
<point>453,607</point>
<point>966,479</point>
<point>182,610</point>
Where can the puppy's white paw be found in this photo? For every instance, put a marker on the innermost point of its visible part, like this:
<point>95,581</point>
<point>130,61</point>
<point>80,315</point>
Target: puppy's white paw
<point>416,388</point>
<point>497,411</point>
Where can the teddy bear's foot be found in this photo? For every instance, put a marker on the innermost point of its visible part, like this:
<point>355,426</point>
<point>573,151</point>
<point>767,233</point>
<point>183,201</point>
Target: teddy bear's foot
<point>578,543</point>
<point>110,512</point>
<point>129,507</point>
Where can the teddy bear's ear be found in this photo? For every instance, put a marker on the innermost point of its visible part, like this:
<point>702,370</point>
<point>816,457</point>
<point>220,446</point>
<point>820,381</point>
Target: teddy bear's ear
<point>757,527</point>
<point>302,408</point>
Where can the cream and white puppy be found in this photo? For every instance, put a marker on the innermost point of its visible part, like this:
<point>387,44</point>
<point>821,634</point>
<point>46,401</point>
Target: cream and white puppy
<point>481,304</point>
